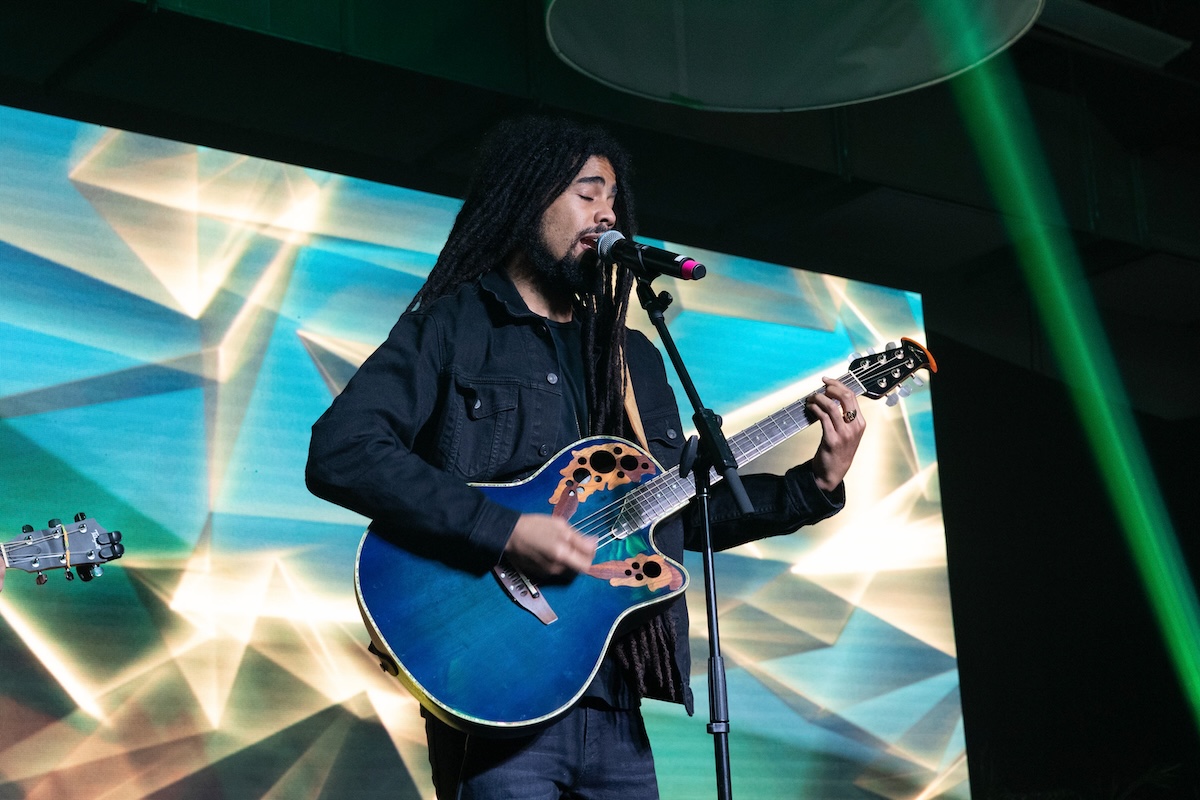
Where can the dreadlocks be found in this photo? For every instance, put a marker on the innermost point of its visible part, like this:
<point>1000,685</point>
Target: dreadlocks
<point>524,166</point>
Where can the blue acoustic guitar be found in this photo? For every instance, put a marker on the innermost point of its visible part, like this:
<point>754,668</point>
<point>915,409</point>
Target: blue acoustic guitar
<point>501,653</point>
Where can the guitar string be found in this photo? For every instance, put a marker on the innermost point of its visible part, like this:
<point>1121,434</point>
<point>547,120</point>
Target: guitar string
<point>11,547</point>
<point>666,483</point>
<point>15,543</point>
<point>601,516</point>
<point>601,520</point>
<point>647,500</point>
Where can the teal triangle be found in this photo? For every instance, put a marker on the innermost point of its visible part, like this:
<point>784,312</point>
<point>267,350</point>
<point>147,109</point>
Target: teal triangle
<point>147,451</point>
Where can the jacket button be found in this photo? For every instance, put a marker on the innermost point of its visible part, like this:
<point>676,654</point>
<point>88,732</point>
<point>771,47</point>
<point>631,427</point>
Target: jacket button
<point>544,450</point>
<point>671,434</point>
<point>478,404</point>
<point>551,378</point>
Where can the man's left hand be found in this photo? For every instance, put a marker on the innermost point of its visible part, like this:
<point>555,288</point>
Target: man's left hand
<point>842,428</point>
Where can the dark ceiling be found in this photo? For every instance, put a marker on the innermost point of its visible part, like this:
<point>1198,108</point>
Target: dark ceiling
<point>887,191</point>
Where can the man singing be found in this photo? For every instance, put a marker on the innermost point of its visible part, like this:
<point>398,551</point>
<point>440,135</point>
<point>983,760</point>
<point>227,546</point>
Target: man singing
<point>515,347</point>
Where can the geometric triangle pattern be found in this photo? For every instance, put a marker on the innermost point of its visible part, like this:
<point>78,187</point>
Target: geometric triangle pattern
<point>175,318</point>
<point>336,359</point>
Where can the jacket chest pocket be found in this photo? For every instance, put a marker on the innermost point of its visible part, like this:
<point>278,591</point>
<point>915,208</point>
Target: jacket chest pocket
<point>480,433</point>
<point>664,437</point>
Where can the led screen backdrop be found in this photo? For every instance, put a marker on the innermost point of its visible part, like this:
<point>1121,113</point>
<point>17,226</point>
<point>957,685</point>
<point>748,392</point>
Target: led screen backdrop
<point>172,321</point>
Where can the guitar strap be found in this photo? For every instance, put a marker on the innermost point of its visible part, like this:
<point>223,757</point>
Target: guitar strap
<point>631,411</point>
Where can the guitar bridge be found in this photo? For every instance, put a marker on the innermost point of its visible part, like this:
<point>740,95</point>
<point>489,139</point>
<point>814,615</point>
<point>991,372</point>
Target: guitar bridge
<point>524,592</point>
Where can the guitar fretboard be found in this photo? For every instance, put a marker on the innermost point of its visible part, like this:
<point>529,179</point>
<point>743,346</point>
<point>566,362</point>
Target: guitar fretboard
<point>668,492</point>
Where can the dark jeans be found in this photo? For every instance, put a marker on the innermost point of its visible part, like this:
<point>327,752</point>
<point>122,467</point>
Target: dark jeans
<point>590,754</point>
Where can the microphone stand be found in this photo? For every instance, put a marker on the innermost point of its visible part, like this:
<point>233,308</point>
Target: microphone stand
<point>711,452</point>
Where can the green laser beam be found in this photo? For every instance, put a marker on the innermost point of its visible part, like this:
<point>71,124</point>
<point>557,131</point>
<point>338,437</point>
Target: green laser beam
<point>997,118</point>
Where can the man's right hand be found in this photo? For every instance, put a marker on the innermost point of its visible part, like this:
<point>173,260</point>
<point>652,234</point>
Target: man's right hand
<point>547,545</point>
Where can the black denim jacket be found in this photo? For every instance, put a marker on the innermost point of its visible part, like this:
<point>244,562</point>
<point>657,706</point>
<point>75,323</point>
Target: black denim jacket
<point>467,390</point>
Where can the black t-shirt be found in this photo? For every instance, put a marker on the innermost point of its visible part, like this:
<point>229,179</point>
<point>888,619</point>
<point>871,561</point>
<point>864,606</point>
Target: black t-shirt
<point>568,343</point>
<point>609,687</point>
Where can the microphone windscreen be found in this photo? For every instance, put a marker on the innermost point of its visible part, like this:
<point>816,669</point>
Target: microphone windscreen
<point>605,244</point>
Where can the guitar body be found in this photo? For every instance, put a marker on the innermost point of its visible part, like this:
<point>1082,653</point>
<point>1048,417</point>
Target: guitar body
<point>461,642</point>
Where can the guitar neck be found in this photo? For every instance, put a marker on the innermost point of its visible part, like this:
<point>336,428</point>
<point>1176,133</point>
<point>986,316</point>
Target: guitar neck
<point>670,492</point>
<point>763,436</point>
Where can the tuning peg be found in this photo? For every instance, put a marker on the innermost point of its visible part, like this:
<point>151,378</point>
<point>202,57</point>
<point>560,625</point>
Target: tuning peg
<point>54,523</point>
<point>916,379</point>
<point>110,551</point>
<point>80,516</point>
<point>70,576</point>
<point>41,579</point>
<point>109,545</point>
<point>26,529</point>
<point>893,399</point>
<point>86,572</point>
<point>905,390</point>
<point>855,355</point>
<point>891,346</point>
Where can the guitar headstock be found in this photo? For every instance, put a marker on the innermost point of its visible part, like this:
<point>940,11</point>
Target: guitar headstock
<point>83,544</point>
<point>882,372</point>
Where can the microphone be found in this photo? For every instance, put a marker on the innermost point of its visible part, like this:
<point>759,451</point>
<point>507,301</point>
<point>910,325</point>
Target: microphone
<point>645,261</point>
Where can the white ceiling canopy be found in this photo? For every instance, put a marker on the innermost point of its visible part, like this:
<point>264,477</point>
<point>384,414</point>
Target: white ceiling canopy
<point>780,55</point>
